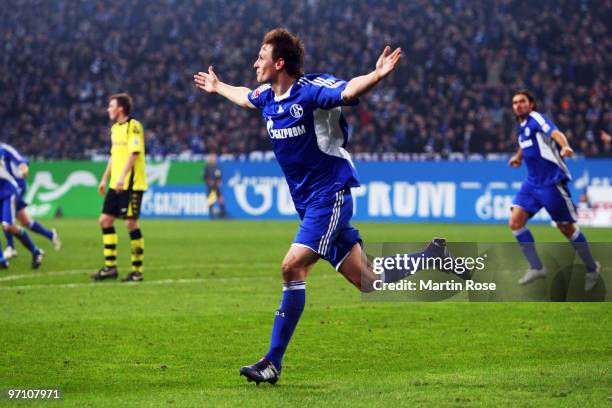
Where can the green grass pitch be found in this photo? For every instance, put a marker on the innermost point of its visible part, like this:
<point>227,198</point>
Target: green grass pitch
<point>207,305</point>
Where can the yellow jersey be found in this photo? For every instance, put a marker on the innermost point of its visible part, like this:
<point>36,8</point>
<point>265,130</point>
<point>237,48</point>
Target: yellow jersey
<point>128,138</point>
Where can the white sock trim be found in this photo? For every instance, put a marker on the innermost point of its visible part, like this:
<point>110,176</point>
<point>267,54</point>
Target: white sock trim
<point>294,285</point>
<point>519,231</point>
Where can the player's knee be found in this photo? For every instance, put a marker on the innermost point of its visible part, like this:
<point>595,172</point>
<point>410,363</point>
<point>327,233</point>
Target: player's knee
<point>23,218</point>
<point>566,229</point>
<point>515,224</point>
<point>10,228</point>
<point>131,224</point>
<point>291,271</point>
<point>105,222</point>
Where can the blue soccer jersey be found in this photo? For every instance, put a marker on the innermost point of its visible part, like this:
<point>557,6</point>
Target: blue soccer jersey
<point>8,185</point>
<point>12,159</point>
<point>545,166</point>
<point>309,134</point>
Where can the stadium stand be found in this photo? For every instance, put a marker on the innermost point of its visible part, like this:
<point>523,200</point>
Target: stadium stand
<point>450,95</point>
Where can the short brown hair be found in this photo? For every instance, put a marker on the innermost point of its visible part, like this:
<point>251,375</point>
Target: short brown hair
<point>124,100</point>
<point>528,94</point>
<point>289,47</point>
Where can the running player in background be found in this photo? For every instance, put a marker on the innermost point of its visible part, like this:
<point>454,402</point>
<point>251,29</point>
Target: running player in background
<point>542,146</point>
<point>303,116</point>
<point>126,171</point>
<point>17,166</point>
<point>9,191</point>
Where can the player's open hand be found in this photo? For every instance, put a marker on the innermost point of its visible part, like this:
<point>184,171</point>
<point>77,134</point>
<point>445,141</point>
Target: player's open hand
<point>24,169</point>
<point>515,161</point>
<point>102,188</point>
<point>207,81</point>
<point>567,151</point>
<point>387,61</point>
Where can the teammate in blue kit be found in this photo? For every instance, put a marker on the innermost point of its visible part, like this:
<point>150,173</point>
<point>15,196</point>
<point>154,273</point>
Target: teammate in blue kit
<point>542,147</point>
<point>303,116</point>
<point>17,166</point>
<point>9,191</point>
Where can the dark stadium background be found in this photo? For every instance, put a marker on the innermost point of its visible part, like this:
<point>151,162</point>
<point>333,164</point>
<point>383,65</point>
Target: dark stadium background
<point>61,59</point>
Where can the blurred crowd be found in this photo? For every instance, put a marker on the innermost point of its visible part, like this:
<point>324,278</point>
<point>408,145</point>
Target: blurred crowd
<point>451,93</point>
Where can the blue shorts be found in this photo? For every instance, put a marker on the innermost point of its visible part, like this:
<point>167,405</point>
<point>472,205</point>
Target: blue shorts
<point>326,228</point>
<point>8,209</point>
<point>555,198</point>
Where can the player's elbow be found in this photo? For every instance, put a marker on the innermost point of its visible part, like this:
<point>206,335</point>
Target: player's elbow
<point>244,102</point>
<point>558,136</point>
<point>348,96</point>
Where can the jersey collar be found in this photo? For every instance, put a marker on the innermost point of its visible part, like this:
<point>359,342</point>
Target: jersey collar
<point>126,121</point>
<point>285,95</point>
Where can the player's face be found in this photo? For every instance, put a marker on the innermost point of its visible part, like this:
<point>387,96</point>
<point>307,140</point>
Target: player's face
<point>113,109</point>
<point>521,105</point>
<point>264,65</point>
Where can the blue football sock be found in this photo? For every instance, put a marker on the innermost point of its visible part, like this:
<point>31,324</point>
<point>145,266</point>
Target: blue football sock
<point>582,247</point>
<point>527,243</point>
<point>408,264</point>
<point>26,241</point>
<point>38,228</point>
<point>286,319</point>
<point>9,239</point>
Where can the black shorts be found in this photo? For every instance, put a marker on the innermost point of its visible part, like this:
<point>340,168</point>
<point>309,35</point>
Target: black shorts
<point>125,204</point>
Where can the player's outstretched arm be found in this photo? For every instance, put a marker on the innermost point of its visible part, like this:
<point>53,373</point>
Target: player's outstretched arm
<point>559,137</point>
<point>362,84</point>
<point>210,83</point>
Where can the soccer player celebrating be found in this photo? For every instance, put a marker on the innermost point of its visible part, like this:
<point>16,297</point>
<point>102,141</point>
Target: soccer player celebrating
<point>308,132</point>
<point>542,146</point>
<point>126,170</point>
<point>17,166</point>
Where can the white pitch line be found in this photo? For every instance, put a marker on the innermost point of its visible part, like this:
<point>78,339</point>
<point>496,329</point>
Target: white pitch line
<point>99,284</point>
<point>42,274</point>
<point>152,282</point>
<point>82,271</point>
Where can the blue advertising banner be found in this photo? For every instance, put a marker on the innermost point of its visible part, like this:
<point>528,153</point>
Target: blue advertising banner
<point>471,192</point>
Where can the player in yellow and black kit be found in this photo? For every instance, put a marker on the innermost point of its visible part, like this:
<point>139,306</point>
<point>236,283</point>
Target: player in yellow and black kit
<point>128,182</point>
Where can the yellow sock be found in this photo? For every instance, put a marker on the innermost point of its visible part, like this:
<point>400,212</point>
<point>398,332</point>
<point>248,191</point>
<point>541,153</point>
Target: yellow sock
<point>137,244</point>
<point>110,239</point>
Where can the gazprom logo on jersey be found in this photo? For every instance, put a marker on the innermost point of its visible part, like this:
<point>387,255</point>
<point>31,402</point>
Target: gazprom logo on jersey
<point>286,132</point>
